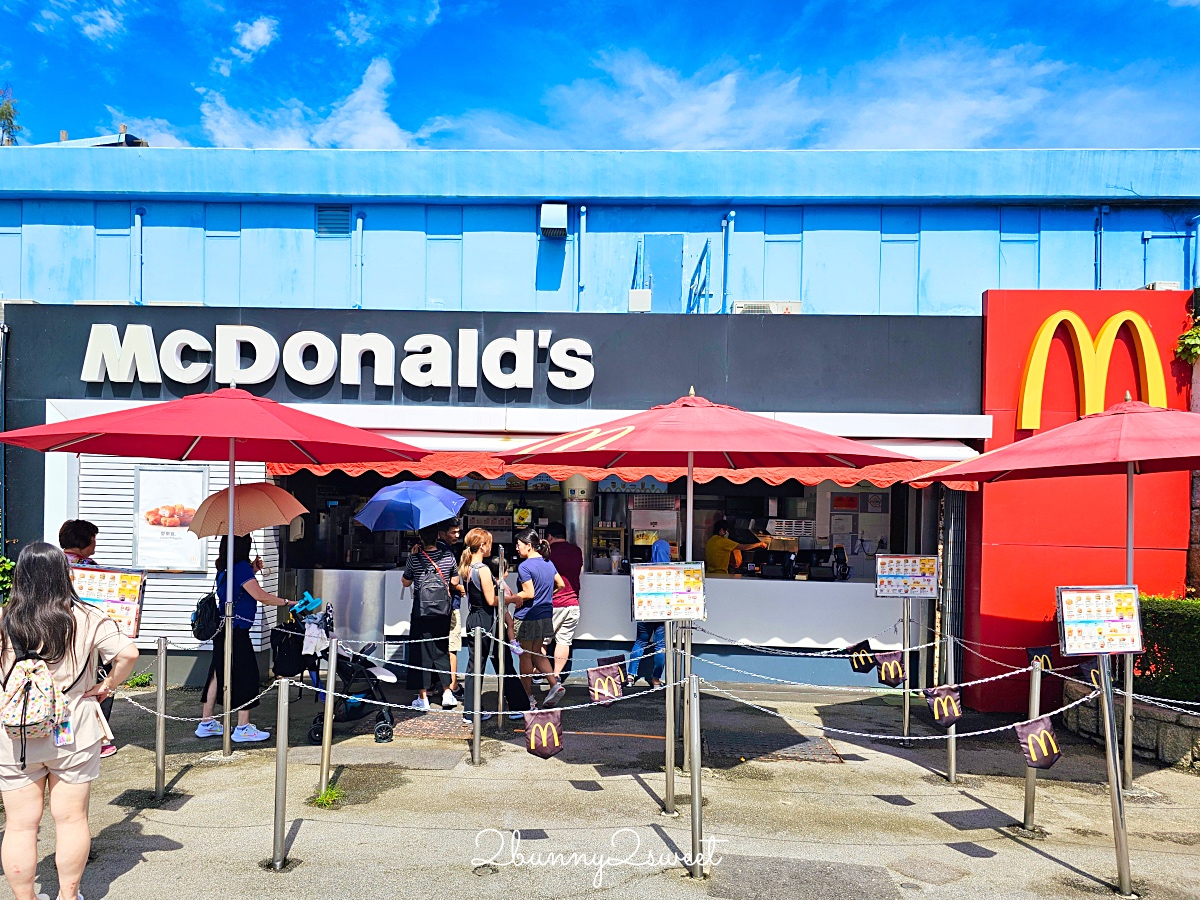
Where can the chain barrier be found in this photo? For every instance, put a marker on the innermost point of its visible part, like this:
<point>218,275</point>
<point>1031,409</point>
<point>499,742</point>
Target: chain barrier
<point>390,662</point>
<point>892,737</point>
<point>154,712</point>
<point>862,689</point>
<point>834,653</point>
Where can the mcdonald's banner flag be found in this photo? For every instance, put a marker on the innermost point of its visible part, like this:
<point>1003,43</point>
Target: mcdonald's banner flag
<point>891,668</point>
<point>1038,743</point>
<point>945,704</point>
<point>862,660</point>
<point>543,732</point>
<point>1045,654</point>
<point>1089,671</point>
<point>618,660</point>
<point>604,684</point>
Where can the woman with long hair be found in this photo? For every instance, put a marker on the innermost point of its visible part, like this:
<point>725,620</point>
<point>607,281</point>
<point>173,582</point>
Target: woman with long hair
<point>244,677</point>
<point>533,620</point>
<point>481,613</point>
<point>45,620</point>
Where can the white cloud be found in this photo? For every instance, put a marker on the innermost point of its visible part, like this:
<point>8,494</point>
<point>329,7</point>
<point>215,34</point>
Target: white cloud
<point>99,23</point>
<point>46,20</point>
<point>222,66</point>
<point>1184,2</point>
<point>364,22</point>
<point>254,37</point>
<point>156,132</point>
<point>358,121</point>
<point>943,94</point>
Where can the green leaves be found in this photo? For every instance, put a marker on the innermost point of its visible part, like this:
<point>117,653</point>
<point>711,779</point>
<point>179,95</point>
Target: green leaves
<point>1188,348</point>
<point>1170,667</point>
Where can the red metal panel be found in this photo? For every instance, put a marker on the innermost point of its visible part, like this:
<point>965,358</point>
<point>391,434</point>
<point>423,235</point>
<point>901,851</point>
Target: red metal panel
<point>1026,538</point>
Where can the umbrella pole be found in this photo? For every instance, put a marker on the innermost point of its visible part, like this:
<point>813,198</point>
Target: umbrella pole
<point>1128,736</point>
<point>691,490</point>
<point>226,718</point>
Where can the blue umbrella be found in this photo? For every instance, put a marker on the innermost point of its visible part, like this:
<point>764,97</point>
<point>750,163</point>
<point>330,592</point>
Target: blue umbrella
<point>409,506</point>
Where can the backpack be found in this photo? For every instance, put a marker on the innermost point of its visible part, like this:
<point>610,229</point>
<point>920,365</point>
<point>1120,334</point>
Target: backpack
<point>287,645</point>
<point>32,705</point>
<point>431,595</point>
<point>206,618</point>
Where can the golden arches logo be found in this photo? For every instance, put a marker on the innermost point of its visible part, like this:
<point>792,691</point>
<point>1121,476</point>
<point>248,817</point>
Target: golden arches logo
<point>1044,659</point>
<point>1092,359</point>
<point>862,658</point>
<point>891,669</point>
<point>945,707</point>
<point>605,687</point>
<point>547,731</point>
<point>1044,741</point>
<point>594,438</point>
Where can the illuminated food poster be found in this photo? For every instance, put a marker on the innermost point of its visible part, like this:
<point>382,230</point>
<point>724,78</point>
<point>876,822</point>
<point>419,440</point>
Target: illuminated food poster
<point>663,591</point>
<point>166,498</point>
<point>1099,620</point>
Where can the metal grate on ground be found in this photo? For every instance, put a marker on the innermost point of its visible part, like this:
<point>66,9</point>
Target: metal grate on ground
<point>443,726</point>
<point>767,747</point>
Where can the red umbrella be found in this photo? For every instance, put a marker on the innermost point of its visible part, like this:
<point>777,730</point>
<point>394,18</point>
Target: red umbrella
<point>695,432</point>
<point>227,424</point>
<point>1127,438</point>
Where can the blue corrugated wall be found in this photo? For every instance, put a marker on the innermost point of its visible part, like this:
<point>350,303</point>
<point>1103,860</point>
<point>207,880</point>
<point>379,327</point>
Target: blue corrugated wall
<point>481,251</point>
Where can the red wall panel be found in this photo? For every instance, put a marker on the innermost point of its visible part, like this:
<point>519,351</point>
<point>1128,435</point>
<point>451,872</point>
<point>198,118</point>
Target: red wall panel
<point>1027,537</point>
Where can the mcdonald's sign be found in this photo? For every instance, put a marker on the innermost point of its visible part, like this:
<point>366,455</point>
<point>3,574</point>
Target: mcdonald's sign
<point>891,668</point>
<point>862,660</point>
<point>1090,670</point>
<point>604,684</point>
<point>1038,743</point>
<point>1042,655</point>
<point>1092,359</point>
<point>945,704</point>
<point>543,732</point>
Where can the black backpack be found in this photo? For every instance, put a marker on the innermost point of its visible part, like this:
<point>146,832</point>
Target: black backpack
<point>287,645</point>
<point>431,594</point>
<point>206,619</point>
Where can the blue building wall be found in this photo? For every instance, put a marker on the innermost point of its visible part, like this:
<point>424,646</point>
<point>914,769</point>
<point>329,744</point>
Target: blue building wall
<point>844,233</point>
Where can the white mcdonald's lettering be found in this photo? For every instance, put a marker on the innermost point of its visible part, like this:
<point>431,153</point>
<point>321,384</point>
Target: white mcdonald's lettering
<point>573,440</point>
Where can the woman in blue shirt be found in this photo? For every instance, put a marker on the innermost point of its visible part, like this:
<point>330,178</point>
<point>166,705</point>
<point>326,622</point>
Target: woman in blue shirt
<point>533,618</point>
<point>244,677</point>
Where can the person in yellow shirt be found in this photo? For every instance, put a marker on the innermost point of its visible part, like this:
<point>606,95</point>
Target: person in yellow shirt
<point>720,547</point>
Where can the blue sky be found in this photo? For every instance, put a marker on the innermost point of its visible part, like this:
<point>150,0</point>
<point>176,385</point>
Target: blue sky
<point>589,73</point>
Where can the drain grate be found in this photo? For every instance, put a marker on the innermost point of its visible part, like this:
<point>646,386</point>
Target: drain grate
<point>767,747</point>
<point>445,726</point>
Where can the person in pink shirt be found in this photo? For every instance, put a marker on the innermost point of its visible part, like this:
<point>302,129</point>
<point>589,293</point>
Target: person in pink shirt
<point>568,560</point>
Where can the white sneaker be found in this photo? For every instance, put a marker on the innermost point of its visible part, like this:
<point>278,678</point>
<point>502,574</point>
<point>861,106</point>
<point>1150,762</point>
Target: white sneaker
<point>420,703</point>
<point>248,734</point>
<point>554,696</point>
<point>470,720</point>
<point>449,701</point>
<point>211,728</point>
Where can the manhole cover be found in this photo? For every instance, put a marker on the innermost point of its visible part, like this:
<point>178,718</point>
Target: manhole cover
<point>444,725</point>
<point>767,747</point>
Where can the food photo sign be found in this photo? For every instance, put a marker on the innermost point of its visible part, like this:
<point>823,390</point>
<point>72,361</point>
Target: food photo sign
<point>165,502</point>
<point>663,591</point>
<point>117,592</point>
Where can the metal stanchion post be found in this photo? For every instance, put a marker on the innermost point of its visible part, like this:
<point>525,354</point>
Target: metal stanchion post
<point>952,731</point>
<point>160,721</point>
<point>1035,710</point>
<point>669,678</point>
<point>697,798</point>
<point>686,658</point>
<point>1127,756</point>
<point>281,754</point>
<point>476,693</point>
<point>327,720</point>
<point>501,644</point>
<point>1112,759</point>
<point>907,673</point>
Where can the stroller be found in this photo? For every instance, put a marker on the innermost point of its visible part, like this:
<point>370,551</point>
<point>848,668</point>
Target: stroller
<point>360,679</point>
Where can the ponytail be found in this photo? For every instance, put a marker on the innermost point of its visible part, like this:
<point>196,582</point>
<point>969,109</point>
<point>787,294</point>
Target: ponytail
<point>473,541</point>
<point>531,537</point>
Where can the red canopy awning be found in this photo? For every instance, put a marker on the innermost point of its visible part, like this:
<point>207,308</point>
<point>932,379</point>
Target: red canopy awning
<point>462,464</point>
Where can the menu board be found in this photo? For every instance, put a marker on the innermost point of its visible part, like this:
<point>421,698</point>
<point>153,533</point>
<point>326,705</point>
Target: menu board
<point>117,592</point>
<point>906,576</point>
<point>1099,620</point>
<point>663,591</point>
<point>165,502</point>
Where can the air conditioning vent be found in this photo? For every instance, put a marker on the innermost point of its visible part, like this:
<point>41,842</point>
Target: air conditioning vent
<point>790,528</point>
<point>1161,286</point>
<point>333,221</point>
<point>769,308</point>
<point>553,220</point>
